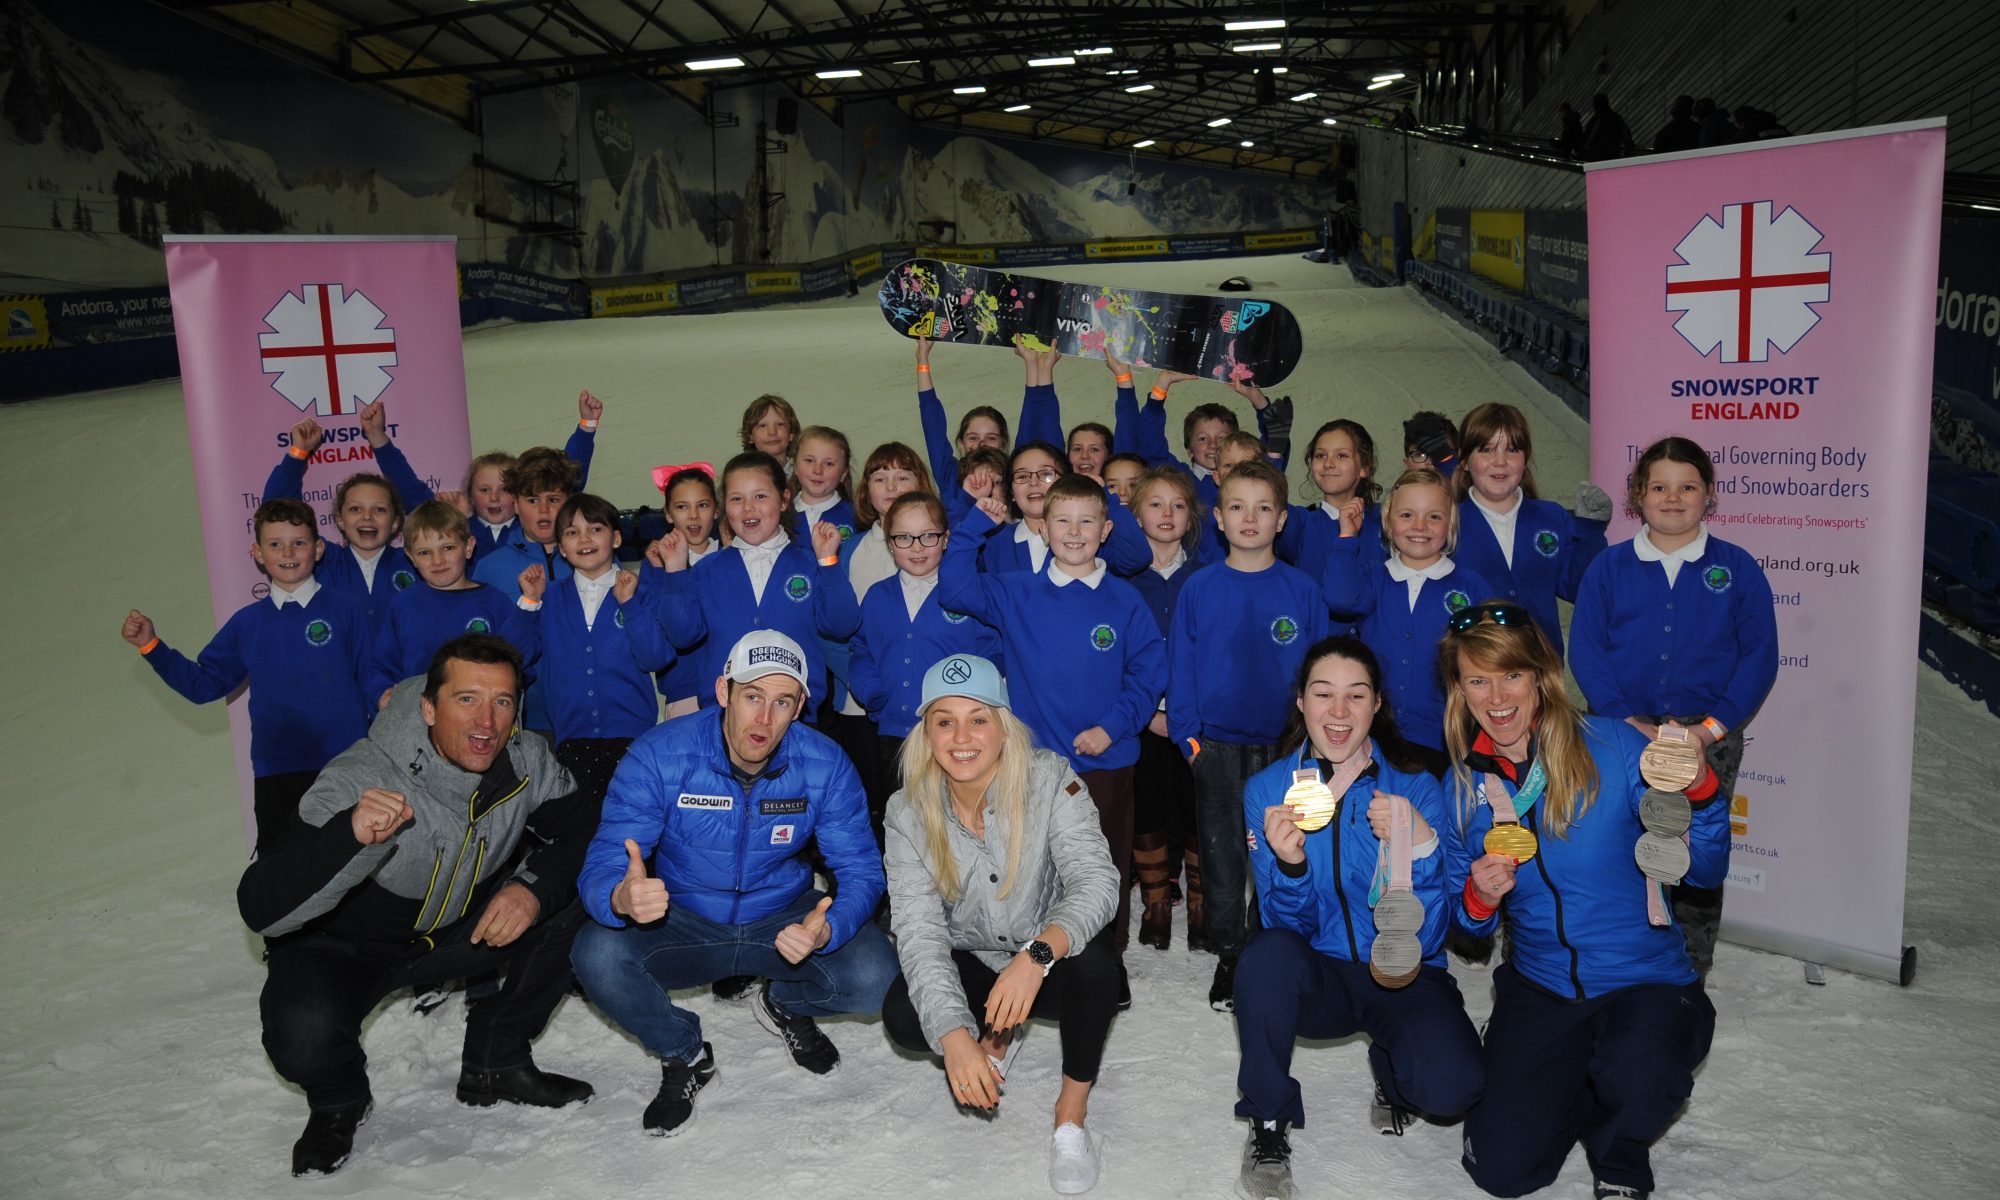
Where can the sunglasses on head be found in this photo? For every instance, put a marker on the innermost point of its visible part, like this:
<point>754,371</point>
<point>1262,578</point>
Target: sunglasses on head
<point>1499,614</point>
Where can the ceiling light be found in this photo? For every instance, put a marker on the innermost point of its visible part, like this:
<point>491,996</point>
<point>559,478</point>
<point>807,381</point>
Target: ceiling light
<point>1019,107</point>
<point>1265,23</point>
<point>1379,84</point>
<point>714,64</point>
<point>1142,145</point>
<point>1280,70</point>
<point>1060,60</point>
<point>975,90</point>
<point>1302,97</point>
<point>1328,121</point>
<point>1218,123</point>
<point>1253,47</point>
<point>1093,52</point>
<point>1391,77</point>
<point>906,62</point>
<point>1140,87</point>
<point>1247,144</point>
<point>846,74</point>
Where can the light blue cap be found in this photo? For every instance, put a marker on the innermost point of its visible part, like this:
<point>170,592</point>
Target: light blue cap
<point>965,675</point>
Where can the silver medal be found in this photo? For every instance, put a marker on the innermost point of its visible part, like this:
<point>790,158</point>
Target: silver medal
<point>1662,858</point>
<point>1399,912</point>
<point>1666,813</point>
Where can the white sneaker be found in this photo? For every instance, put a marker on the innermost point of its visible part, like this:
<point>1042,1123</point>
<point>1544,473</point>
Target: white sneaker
<point>1006,1060</point>
<point>1072,1160</point>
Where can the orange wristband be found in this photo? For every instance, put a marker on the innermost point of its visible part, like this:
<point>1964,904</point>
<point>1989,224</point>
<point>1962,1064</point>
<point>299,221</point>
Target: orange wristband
<point>1159,393</point>
<point>831,560</point>
<point>1124,380</point>
<point>587,426</point>
<point>149,647</point>
<point>1476,908</point>
<point>1716,729</point>
<point>298,453</point>
<point>923,368</point>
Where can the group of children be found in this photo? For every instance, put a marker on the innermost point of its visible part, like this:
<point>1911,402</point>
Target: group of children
<point>1151,612</point>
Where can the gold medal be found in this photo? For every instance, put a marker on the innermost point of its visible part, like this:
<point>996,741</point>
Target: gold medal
<point>1510,840</point>
<point>1671,763</point>
<point>1312,804</point>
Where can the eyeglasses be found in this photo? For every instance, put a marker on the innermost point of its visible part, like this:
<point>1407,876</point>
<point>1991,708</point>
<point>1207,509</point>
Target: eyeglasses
<point>1045,475</point>
<point>903,541</point>
<point>1412,454</point>
<point>1500,614</point>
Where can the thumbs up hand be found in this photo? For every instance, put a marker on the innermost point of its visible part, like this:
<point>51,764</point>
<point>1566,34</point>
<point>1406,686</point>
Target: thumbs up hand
<point>637,897</point>
<point>795,942</point>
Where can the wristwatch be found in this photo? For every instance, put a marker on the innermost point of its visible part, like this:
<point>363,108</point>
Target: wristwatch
<point>1041,954</point>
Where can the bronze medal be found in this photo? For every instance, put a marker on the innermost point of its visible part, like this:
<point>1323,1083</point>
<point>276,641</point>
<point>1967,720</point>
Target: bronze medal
<point>1395,958</point>
<point>1661,858</point>
<point>1666,813</point>
<point>1399,912</point>
<point>1671,764</point>
<point>1312,804</point>
<point>1509,839</point>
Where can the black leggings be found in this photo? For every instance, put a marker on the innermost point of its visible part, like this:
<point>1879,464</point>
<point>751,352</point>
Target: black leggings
<point>1080,995</point>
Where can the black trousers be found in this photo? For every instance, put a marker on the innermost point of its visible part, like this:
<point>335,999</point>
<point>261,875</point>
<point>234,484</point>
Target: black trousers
<point>321,987</point>
<point>274,800</point>
<point>1163,797</point>
<point>592,761</point>
<point>1080,995</point>
<point>856,736</point>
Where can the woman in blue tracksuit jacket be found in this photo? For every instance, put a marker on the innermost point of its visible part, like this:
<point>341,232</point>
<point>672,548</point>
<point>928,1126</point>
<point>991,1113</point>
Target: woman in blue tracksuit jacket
<point>1306,973</point>
<point>1598,1019</point>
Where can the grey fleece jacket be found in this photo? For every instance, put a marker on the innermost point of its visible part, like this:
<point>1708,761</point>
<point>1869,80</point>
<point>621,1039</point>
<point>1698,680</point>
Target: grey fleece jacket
<point>438,868</point>
<point>1065,879</point>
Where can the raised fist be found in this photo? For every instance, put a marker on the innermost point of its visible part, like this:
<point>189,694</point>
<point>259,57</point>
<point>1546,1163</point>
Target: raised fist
<point>138,628</point>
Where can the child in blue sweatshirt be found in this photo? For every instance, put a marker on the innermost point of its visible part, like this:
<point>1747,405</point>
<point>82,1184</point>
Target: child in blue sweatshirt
<point>600,644</point>
<point>1041,420</point>
<point>1240,634</point>
<point>1203,432</point>
<point>904,632</point>
<point>493,516</point>
<point>1163,816</point>
<point>367,510</point>
<point>691,507</point>
<point>1088,666</point>
<point>438,540</point>
<point>1678,623</point>
<point>1531,550</point>
<point>764,579</point>
<point>1404,603</point>
<point>822,483</point>
<point>1341,461</point>
<point>542,481</point>
<point>1033,471</point>
<point>304,648</point>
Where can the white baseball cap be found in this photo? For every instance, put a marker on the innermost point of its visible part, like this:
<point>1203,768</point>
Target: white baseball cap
<point>764,652</point>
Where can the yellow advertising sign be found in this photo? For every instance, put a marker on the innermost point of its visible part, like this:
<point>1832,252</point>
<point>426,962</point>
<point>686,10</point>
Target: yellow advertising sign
<point>27,323</point>
<point>770,283</point>
<point>1425,246</point>
<point>1273,241</point>
<point>973,255</point>
<point>867,264</point>
<point>635,298</point>
<point>1127,249</point>
<point>1499,237</point>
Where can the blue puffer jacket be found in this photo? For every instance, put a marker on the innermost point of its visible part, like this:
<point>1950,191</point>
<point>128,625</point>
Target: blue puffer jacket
<point>1328,905</point>
<point>729,856</point>
<point>1577,914</point>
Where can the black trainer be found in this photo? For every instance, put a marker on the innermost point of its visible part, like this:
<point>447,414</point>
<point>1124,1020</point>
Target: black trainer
<point>810,1048</point>
<point>1388,1119</point>
<point>328,1139</point>
<point>732,987</point>
<point>1616,1191</point>
<point>1267,1163</point>
<point>522,1085</point>
<point>1222,992</point>
<point>679,1082</point>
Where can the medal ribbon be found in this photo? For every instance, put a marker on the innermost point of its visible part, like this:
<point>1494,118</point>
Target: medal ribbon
<point>1343,775</point>
<point>1506,809</point>
<point>1394,856</point>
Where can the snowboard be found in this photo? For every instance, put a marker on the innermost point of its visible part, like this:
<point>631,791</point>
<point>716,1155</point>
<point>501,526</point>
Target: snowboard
<point>1234,339</point>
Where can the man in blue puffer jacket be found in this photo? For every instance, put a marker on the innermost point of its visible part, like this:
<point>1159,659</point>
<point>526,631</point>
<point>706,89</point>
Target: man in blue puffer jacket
<point>722,802</point>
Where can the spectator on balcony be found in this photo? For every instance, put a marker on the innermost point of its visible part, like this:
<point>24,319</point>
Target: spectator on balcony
<point>1681,132</point>
<point>1605,135</point>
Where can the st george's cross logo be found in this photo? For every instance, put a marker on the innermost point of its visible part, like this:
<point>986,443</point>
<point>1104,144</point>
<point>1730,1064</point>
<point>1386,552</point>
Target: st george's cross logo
<point>1749,283</point>
<point>328,348</point>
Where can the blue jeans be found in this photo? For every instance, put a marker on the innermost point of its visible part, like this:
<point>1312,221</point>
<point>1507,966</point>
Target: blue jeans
<point>628,973</point>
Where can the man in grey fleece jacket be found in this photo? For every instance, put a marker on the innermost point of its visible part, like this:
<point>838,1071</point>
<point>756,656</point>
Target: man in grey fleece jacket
<point>433,849</point>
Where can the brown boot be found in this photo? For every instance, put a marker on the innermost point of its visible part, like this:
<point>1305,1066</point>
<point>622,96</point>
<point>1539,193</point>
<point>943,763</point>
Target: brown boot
<point>1156,920</point>
<point>1197,931</point>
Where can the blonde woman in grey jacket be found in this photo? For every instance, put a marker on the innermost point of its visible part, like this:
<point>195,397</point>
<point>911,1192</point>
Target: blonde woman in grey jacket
<point>1002,890</point>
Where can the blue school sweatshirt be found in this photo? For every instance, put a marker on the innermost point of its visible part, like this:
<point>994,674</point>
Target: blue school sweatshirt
<point>1040,421</point>
<point>338,569</point>
<point>1238,640</point>
<point>1162,592</point>
<point>581,445</point>
<point>424,618</point>
<point>1153,447</point>
<point>1080,656</point>
<point>1707,645</point>
<point>892,652</point>
<point>1552,549</point>
<point>1405,640</point>
<point>1126,551</point>
<point>1308,540</point>
<point>305,664</point>
<point>597,679</point>
<point>706,608</point>
<point>501,571</point>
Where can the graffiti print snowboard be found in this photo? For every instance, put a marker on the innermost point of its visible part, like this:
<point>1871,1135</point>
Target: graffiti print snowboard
<point>1230,338</point>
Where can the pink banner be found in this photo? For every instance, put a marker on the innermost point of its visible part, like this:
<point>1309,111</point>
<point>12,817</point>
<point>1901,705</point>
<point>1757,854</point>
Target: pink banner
<point>1773,302</point>
<point>272,330</point>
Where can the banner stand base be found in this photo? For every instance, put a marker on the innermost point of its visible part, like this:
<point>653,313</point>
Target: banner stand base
<point>1898,969</point>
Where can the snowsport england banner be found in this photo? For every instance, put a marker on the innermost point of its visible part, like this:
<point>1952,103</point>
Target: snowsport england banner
<point>1773,302</point>
<point>276,329</point>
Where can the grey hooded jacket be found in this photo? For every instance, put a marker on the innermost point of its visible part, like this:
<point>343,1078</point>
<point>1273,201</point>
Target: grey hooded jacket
<point>1065,879</point>
<point>443,865</point>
